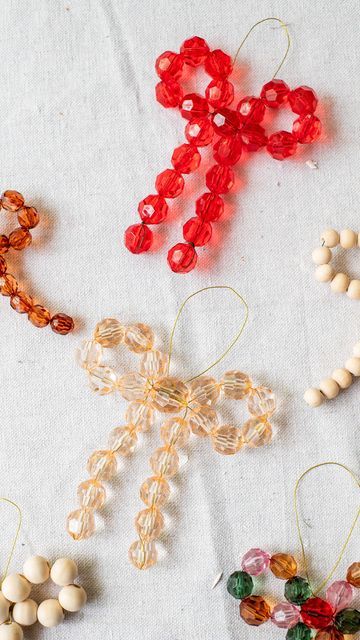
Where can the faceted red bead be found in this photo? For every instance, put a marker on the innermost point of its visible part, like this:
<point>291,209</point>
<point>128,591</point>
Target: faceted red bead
<point>219,179</point>
<point>307,128</point>
<point>303,100</point>
<point>199,131</point>
<point>4,244</point>
<point>169,65</point>
<point>182,258</point>
<point>138,238</point>
<point>169,93</point>
<point>226,122</point>
<point>251,108</point>
<point>195,51</point>
<point>317,613</point>
<point>227,151</point>
<point>282,145</point>
<point>197,231</point>
<point>219,93</point>
<point>253,136</point>
<point>218,64</point>
<point>153,209</point>
<point>209,207</point>
<point>3,266</point>
<point>194,106</point>
<point>169,183</point>
<point>186,158</point>
<point>275,93</point>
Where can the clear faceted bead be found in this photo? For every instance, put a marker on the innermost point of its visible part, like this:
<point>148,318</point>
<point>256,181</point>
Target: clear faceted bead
<point>123,440</point>
<point>80,524</point>
<point>149,523</point>
<point>102,379</point>
<point>227,440</point>
<point>109,332</point>
<point>143,554</point>
<point>140,415</point>
<point>155,491</point>
<point>256,432</point>
<point>153,364</point>
<point>169,395</point>
<point>89,354</point>
<point>165,461</point>
<point>261,402</point>
<point>339,595</point>
<point>285,615</point>
<point>132,386</point>
<point>204,390</point>
<point>255,562</point>
<point>91,494</point>
<point>175,431</point>
<point>139,338</point>
<point>236,385</point>
<point>102,465</point>
<point>203,419</point>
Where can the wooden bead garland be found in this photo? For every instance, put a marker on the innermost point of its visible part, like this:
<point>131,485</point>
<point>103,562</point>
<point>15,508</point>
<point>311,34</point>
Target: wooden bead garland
<point>339,282</point>
<point>340,379</point>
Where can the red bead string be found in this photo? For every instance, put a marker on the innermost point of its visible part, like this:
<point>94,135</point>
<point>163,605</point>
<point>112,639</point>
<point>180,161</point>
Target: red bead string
<point>211,121</point>
<point>19,239</point>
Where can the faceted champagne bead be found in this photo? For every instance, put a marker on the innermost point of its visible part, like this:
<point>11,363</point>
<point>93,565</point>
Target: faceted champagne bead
<point>253,137</point>
<point>175,431</point>
<point>251,109</point>
<point>123,440</point>
<point>169,183</point>
<point>261,402</point>
<point>227,151</point>
<point>219,179</point>
<point>80,524</point>
<point>209,207</point>
<point>348,621</point>
<point>182,258</point>
<point>138,238</point>
<point>195,51</point>
<point>219,93</point>
<point>19,239</point>
<point>197,231</point>
<point>132,387</point>
<point>353,575</point>
<point>143,554</point>
<point>169,93</point>
<point>240,585</point>
<point>255,562</point>
<point>102,465</point>
<point>306,129</point>
<point>39,316</point>
<point>299,632</point>
<point>169,65</point>
<point>339,595</point>
<point>28,217</point>
<point>256,432</point>
<point>109,332</point>
<point>140,415</point>
<point>275,93</point>
<point>203,419</point>
<point>3,266</point>
<point>62,324</point>
<point>149,524</point>
<point>331,633</point>
<point>8,285</point>
<point>21,302</point>
<point>4,244</point>
<point>226,122</point>
<point>218,64</point>
<point>282,145</point>
<point>297,590</point>
<point>155,491</point>
<point>169,395</point>
<point>139,338</point>
<point>165,461</point>
<point>254,610</point>
<point>199,131</point>
<point>89,354</point>
<point>102,379</point>
<point>12,200</point>
<point>91,494</point>
<point>236,385</point>
<point>317,613</point>
<point>204,390</point>
<point>227,440</point>
<point>285,615</point>
<point>153,209</point>
<point>185,158</point>
<point>303,100</point>
<point>283,566</point>
<point>194,106</point>
<point>153,364</point>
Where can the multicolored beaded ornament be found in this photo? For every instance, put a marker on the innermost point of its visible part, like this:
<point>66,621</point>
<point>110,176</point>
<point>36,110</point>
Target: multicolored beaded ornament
<point>190,404</point>
<point>303,613</point>
<point>229,131</point>
<point>19,239</point>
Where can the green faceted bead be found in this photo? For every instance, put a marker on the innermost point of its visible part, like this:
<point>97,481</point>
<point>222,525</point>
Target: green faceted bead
<point>348,621</point>
<point>240,585</point>
<point>300,632</point>
<point>297,590</point>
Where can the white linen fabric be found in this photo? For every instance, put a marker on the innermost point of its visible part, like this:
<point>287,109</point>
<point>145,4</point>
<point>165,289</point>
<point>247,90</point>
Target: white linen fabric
<point>83,139</point>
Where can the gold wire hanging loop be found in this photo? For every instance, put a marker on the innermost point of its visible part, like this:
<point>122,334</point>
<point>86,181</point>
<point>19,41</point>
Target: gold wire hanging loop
<point>233,341</point>
<point>15,539</point>
<point>283,25</point>
<point>353,525</point>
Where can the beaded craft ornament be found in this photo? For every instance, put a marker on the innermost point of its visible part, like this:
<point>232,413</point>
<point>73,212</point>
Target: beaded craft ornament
<point>190,407</point>
<point>230,131</point>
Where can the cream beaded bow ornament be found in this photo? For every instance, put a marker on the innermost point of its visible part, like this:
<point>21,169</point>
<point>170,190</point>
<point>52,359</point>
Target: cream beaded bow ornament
<point>151,390</point>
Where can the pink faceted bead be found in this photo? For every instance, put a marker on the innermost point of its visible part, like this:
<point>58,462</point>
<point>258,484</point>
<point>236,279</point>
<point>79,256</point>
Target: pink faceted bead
<point>255,562</point>
<point>285,615</point>
<point>339,595</point>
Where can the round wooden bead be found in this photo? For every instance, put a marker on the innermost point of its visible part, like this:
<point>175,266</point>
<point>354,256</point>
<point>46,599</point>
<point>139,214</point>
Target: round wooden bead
<point>25,613</point>
<point>324,273</point>
<point>64,571</point>
<point>329,388</point>
<point>340,283</point>
<point>313,397</point>
<point>72,597</point>
<point>348,239</point>
<point>354,290</point>
<point>343,377</point>
<point>16,588</point>
<point>321,255</point>
<point>352,365</point>
<point>11,631</point>
<point>50,613</point>
<point>330,238</point>
<point>356,350</point>
<point>36,569</point>
<point>4,608</point>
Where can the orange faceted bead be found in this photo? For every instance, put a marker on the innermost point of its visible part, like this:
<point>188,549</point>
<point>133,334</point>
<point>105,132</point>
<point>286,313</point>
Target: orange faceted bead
<point>28,217</point>
<point>203,419</point>
<point>169,395</point>
<point>21,302</point>
<point>254,610</point>
<point>4,244</point>
<point>283,566</point>
<point>3,266</point>
<point>227,440</point>
<point>39,316</point>
<point>353,575</point>
<point>20,238</point>
<point>12,200</point>
<point>62,324</point>
<point>8,285</point>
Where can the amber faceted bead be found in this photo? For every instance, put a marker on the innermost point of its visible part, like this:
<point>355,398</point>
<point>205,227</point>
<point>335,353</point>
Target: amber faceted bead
<point>12,200</point>
<point>139,337</point>
<point>204,390</point>
<point>143,554</point>
<point>138,238</point>
<point>91,494</point>
<point>109,333</point>
<point>39,316</point>
<point>3,266</point>
<point>153,209</point>
<point>353,575</point>
<point>28,217</point>
<point>4,244</point>
<point>227,439</point>
<point>80,524</point>
<point>283,566</point>
<point>194,51</point>
<point>62,324</point>
<point>169,93</point>
<point>254,610</point>
<point>8,285</point>
<point>209,207</point>
<point>330,633</point>
<point>149,524</point>
<point>20,238</point>
<point>21,302</point>
<point>155,491</point>
<point>169,395</point>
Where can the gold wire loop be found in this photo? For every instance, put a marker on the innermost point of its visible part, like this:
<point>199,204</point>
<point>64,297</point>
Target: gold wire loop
<point>233,341</point>
<point>283,25</point>
<point>15,539</point>
<point>353,525</point>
